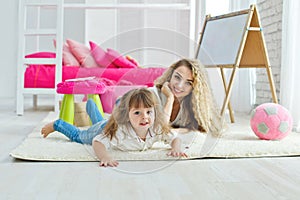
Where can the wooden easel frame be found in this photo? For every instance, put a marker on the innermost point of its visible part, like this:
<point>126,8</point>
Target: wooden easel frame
<point>252,53</point>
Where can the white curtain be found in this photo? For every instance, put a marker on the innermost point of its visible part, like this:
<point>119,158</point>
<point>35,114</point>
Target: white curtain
<point>290,66</point>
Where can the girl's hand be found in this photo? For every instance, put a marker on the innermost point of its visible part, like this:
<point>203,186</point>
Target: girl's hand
<point>177,153</point>
<point>108,161</point>
<point>176,149</point>
<point>166,90</point>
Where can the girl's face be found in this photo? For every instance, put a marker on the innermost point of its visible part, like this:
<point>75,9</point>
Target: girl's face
<point>141,118</point>
<point>181,83</point>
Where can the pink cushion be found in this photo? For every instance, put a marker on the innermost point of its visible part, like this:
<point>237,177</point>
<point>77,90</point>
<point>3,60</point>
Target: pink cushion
<point>41,55</point>
<point>68,58</point>
<point>100,56</point>
<point>42,76</point>
<point>39,76</point>
<point>90,86</point>
<point>132,60</point>
<point>82,54</point>
<point>114,74</point>
<point>119,60</point>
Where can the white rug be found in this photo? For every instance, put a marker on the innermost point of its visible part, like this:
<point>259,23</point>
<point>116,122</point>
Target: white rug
<point>237,142</point>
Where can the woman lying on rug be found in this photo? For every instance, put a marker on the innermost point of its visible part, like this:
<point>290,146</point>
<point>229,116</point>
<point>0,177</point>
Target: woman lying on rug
<point>184,92</point>
<point>137,122</point>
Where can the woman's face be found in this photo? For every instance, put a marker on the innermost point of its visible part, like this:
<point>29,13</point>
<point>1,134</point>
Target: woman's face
<point>181,83</point>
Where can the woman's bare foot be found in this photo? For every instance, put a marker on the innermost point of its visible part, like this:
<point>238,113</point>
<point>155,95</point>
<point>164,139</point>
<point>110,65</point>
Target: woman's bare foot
<point>47,129</point>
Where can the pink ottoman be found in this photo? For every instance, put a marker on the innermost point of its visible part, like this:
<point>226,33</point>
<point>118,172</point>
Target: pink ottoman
<point>89,86</point>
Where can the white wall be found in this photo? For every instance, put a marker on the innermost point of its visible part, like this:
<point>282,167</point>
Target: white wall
<point>8,50</point>
<point>271,20</point>
<point>131,32</point>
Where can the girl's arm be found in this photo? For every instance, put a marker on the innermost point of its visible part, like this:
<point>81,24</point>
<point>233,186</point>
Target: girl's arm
<point>176,148</point>
<point>103,156</point>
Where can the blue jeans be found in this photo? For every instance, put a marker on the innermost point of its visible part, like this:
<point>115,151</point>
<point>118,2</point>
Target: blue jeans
<point>83,136</point>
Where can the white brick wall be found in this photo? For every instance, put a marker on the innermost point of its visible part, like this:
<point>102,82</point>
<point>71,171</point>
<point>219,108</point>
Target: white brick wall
<point>271,20</point>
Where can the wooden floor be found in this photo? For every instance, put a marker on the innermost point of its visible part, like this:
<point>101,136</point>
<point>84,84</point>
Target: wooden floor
<point>259,178</point>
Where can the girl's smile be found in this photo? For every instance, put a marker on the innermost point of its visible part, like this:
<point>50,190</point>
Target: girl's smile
<point>144,124</point>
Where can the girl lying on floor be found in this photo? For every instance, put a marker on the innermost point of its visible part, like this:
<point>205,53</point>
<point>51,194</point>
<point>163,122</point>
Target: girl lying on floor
<point>136,123</point>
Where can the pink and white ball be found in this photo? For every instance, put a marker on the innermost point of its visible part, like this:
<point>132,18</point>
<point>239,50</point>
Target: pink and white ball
<point>271,121</point>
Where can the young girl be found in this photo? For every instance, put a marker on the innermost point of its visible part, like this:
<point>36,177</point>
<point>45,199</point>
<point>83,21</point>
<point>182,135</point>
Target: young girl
<point>184,92</point>
<point>135,124</point>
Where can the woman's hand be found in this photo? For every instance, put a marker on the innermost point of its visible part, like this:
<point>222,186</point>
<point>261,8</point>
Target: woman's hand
<point>181,130</point>
<point>166,90</point>
<point>108,161</point>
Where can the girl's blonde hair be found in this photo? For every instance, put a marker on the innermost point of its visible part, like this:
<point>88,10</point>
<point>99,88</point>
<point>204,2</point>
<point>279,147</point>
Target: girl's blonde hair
<point>200,102</point>
<point>136,98</point>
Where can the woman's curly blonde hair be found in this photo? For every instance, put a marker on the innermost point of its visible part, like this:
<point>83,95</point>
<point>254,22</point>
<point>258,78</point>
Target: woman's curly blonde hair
<point>204,113</point>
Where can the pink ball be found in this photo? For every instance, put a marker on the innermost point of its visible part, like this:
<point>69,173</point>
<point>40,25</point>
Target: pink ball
<point>270,121</point>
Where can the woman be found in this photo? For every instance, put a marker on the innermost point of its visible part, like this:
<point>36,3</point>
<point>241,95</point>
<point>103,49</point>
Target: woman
<point>187,99</point>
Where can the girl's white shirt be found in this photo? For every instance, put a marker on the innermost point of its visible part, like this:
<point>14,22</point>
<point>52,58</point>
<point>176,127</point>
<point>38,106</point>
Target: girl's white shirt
<point>128,140</point>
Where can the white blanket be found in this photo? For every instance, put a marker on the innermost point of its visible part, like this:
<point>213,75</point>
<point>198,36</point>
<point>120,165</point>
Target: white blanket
<point>238,141</point>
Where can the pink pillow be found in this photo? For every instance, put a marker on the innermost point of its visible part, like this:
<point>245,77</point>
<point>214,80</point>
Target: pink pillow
<point>132,60</point>
<point>82,54</point>
<point>119,60</point>
<point>41,55</point>
<point>68,58</point>
<point>100,56</point>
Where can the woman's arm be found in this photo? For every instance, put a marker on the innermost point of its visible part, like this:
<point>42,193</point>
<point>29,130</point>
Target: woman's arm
<point>181,130</point>
<point>170,100</point>
<point>103,156</point>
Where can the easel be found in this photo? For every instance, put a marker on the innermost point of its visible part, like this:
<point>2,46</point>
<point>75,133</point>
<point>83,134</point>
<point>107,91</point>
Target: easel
<point>250,52</point>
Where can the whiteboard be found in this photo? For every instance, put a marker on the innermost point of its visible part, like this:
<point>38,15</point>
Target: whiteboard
<point>221,40</point>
